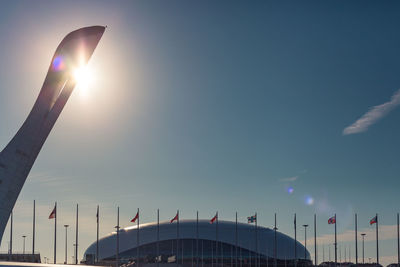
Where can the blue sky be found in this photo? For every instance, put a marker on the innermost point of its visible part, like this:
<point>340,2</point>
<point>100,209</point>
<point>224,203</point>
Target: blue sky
<point>212,106</point>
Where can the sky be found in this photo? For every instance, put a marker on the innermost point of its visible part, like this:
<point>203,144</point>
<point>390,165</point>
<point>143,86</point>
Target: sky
<point>264,106</point>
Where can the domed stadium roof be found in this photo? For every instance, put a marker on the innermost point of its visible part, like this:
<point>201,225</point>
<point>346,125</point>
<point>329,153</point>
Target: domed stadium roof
<point>246,238</point>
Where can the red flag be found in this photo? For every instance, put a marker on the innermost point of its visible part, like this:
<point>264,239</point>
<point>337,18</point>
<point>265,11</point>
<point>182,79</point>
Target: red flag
<point>373,220</point>
<point>213,219</point>
<point>136,217</point>
<point>175,218</point>
<point>53,213</point>
<point>332,220</point>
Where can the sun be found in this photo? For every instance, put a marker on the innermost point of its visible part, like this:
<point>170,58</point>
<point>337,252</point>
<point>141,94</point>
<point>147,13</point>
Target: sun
<point>84,79</point>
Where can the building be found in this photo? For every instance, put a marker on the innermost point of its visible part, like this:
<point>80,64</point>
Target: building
<point>20,257</point>
<point>207,244</point>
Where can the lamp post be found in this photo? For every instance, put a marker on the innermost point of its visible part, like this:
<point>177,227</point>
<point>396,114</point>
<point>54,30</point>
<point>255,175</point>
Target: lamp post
<point>66,238</point>
<point>23,250</point>
<point>363,235</point>
<point>74,251</point>
<point>305,240</point>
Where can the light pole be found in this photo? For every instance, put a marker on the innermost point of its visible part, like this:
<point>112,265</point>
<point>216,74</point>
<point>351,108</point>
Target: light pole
<point>66,237</point>
<point>74,251</point>
<point>305,240</point>
<point>23,251</point>
<point>363,235</point>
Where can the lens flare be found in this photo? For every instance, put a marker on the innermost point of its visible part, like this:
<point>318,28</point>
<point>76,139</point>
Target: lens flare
<point>58,63</point>
<point>309,200</point>
<point>290,190</point>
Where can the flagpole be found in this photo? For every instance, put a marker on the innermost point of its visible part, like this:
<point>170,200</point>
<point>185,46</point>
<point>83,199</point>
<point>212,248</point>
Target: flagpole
<point>377,241</point>
<point>236,242</point>
<point>137,239</point>
<point>349,253</point>
<point>117,252</point>
<point>158,237</point>
<point>305,240</point>
<point>216,242</point>
<point>295,240</point>
<point>55,233</point>
<point>315,239</point>
<point>329,253</point>
<point>355,236</point>
<point>197,238</point>
<point>177,239</point>
<point>97,235</point>
<point>33,228</point>
<point>398,241</point>
<point>76,237</point>
<point>202,253</point>
<point>212,254</point>
<point>275,245</point>
<point>256,261</point>
<point>182,245</point>
<point>335,242</point>
<point>193,263</point>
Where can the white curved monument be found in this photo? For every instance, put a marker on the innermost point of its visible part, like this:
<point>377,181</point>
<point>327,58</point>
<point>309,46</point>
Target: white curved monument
<point>17,158</point>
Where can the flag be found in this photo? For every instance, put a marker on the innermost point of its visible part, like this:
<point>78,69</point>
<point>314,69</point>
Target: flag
<point>373,220</point>
<point>213,219</point>
<point>136,217</point>
<point>332,220</point>
<point>252,219</point>
<point>175,218</point>
<point>53,213</point>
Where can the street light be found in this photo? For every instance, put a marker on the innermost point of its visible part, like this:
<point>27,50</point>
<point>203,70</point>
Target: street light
<point>66,236</point>
<point>23,251</point>
<point>117,255</point>
<point>305,240</point>
<point>363,235</point>
<point>74,252</point>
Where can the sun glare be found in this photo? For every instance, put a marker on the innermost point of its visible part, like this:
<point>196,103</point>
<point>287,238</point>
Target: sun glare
<point>84,79</point>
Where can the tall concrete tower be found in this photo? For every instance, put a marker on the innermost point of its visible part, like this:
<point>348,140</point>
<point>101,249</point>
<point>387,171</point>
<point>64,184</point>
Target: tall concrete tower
<point>17,158</point>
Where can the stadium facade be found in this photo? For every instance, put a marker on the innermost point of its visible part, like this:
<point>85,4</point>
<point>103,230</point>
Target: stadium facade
<point>205,244</point>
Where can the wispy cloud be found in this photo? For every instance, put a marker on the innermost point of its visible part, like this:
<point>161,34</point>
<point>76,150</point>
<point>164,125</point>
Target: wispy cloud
<point>373,115</point>
<point>289,179</point>
<point>44,178</point>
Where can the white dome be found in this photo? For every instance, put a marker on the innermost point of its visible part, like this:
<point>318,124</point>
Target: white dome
<point>206,231</point>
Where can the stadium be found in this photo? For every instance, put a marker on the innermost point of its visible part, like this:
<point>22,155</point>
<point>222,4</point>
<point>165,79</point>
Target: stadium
<point>190,243</point>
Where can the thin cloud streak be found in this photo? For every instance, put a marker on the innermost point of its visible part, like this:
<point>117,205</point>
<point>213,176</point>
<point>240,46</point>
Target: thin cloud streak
<point>289,179</point>
<point>44,177</point>
<point>373,115</point>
